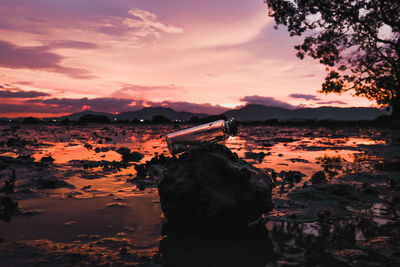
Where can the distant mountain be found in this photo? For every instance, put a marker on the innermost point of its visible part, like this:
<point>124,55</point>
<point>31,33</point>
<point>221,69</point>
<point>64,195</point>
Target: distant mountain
<point>250,112</point>
<point>150,112</point>
<point>78,115</point>
<point>254,112</point>
<point>333,113</point>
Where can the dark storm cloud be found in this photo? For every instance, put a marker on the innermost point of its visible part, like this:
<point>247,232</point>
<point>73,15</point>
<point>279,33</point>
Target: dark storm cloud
<point>306,97</point>
<point>36,58</point>
<point>20,94</point>
<point>266,101</point>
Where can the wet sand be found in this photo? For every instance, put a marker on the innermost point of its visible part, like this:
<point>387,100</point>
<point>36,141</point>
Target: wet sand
<point>79,202</point>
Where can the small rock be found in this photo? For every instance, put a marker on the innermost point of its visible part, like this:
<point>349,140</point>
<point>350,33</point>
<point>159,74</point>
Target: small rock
<point>319,178</point>
<point>8,208</point>
<point>291,176</point>
<point>256,156</point>
<point>129,156</point>
<point>47,159</point>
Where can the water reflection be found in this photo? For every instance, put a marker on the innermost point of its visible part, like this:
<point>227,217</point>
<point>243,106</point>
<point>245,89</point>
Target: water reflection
<point>179,248</point>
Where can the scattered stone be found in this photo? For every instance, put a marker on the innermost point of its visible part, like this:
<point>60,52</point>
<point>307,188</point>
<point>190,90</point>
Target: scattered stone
<point>9,185</point>
<point>116,205</point>
<point>285,140</point>
<point>8,208</point>
<point>86,187</point>
<point>129,156</point>
<point>256,156</point>
<point>47,159</point>
<point>88,146</point>
<point>26,158</point>
<point>291,176</point>
<point>52,183</point>
<point>294,160</point>
<point>123,150</point>
<point>210,187</point>
<point>101,149</point>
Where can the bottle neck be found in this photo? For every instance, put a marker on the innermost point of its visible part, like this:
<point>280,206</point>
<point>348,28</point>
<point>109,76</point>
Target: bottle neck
<point>231,127</point>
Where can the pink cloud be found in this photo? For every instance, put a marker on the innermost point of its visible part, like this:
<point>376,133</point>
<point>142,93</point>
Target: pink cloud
<point>36,58</point>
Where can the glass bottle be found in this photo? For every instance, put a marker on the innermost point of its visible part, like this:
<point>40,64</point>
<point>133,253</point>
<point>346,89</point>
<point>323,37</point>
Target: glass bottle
<point>212,132</point>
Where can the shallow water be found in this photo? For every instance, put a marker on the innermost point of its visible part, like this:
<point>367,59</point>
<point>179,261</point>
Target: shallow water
<point>91,214</point>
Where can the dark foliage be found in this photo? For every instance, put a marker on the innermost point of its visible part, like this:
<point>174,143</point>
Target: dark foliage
<point>358,41</point>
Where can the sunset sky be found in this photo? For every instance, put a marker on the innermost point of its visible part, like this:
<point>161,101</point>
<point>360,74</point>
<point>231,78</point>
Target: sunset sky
<point>59,57</point>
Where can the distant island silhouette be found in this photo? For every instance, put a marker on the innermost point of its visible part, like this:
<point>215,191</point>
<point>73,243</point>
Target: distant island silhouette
<point>248,113</point>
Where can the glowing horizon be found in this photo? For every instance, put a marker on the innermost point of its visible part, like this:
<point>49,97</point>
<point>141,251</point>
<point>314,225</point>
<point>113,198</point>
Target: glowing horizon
<point>60,57</point>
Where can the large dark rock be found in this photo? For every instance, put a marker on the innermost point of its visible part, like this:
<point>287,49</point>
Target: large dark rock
<point>210,187</point>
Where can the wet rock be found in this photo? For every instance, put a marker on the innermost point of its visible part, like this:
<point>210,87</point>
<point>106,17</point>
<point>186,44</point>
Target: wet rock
<point>129,156</point>
<point>294,160</point>
<point>26,158</point>
<point>285,140</point>
<point>291,176</point>
<point>330,193</point>
<point>101,149</point>
<point>86,187</point>
<point>363,177</point>
<point>47,159</point>
<point>256,156</point>
<point>88,146</point>
<point>319,178</point>
<point>123,150</point>
<point>150,173</point>
<point>9,185</point>
<point>8,208</point>
<point>116,205</point>
<point>209,186</point>
<point>52,183</point>
<point>106,165</point>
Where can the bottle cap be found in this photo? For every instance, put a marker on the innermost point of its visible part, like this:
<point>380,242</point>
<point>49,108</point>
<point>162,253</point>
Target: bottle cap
<point>231,127</point>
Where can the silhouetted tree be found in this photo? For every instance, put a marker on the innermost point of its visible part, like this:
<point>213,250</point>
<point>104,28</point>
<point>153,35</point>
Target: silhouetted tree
<point>358,40</point>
